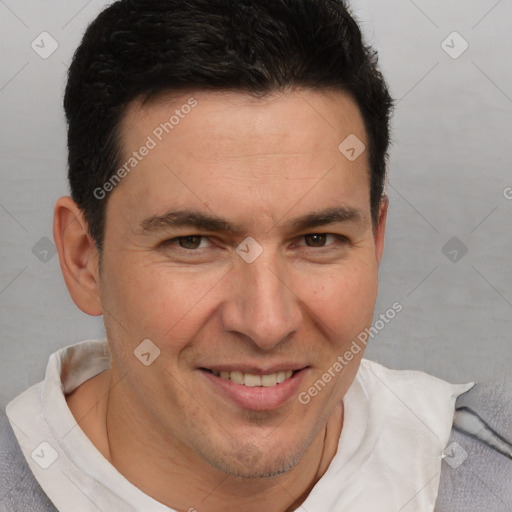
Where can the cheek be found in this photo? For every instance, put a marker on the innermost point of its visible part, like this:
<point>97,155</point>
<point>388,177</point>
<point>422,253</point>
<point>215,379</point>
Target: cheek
<point>343,300</point>
<point>169,304</point>
<point>344,305</point>
<point>159,302</point>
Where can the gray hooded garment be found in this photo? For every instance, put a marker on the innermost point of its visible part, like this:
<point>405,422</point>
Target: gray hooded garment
<point>476,473</point>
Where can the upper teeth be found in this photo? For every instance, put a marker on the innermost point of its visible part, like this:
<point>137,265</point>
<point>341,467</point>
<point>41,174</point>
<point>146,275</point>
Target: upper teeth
<point>251,380</point>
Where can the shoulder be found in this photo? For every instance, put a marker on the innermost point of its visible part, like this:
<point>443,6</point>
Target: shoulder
<point>419,390</point>
<point>476,471</point>
<point>19,489</point>
<point>407,378</point>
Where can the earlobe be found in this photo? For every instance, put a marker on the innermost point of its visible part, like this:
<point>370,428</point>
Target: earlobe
<point>381,227</point>
<point>78,256</point>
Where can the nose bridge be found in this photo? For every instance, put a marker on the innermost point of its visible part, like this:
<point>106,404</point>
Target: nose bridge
<point>262,305</point>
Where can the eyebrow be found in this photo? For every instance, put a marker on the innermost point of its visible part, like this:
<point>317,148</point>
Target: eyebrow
<point>209,222</point>
<point>327,216</point>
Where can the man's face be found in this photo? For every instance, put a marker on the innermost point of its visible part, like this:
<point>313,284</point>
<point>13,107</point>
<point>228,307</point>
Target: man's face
<point>220,311</point>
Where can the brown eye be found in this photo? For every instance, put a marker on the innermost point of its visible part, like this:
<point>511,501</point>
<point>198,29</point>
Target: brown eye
<point>190,242</point>
<point>315,240</point>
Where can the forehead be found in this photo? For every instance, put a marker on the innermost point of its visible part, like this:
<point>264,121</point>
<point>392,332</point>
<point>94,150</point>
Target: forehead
<point>218,149</point>
<point>300,117</point>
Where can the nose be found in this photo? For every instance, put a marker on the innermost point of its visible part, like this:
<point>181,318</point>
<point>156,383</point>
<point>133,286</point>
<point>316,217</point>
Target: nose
<point>262,304</point>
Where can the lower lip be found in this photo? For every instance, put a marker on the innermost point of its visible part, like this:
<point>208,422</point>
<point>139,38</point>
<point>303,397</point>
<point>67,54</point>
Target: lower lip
<point>257,398</point>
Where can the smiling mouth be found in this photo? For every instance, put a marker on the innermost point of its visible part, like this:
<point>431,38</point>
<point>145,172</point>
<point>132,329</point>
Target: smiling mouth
<point>252,380</point>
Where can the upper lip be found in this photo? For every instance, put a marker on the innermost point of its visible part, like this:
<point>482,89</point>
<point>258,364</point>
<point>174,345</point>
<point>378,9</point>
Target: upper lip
<point>255,370</point>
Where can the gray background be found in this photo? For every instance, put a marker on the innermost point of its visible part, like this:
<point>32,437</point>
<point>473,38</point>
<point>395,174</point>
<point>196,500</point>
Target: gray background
<point>450,167</point>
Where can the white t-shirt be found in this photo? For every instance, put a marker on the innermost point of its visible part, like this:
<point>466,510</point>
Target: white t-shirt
<point>396,426</point>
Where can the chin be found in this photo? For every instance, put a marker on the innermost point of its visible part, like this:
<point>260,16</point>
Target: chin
<point>266,469</point>
<point>250,462</point>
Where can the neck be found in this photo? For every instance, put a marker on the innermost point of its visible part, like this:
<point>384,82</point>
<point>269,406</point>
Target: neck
<point>171,473</point>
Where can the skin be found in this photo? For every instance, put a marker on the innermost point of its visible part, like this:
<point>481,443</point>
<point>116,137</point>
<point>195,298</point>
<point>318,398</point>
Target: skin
<point>259,164</point>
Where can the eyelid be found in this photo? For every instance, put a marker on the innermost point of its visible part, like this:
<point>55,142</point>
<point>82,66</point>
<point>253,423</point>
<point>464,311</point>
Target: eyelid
<point>175,241</point>
<point>339,238</point>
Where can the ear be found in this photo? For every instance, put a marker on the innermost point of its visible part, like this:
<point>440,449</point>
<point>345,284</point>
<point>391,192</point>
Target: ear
<point>78,256</point>
<point>381,227</point>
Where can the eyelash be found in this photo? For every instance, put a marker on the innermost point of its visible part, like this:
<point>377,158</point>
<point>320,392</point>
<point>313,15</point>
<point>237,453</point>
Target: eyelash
<point>175,241</point>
